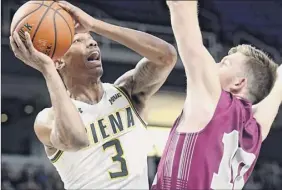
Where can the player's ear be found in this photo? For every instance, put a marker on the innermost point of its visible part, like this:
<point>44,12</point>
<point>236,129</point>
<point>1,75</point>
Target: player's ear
<point>238,84</point>
<point>59,64</point>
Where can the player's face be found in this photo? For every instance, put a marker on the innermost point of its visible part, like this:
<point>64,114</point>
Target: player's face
<point>231,72</point>
<point>84,55</point>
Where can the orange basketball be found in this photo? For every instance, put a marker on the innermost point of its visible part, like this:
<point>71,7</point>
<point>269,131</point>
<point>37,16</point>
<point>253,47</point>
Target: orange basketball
<point>51,28</point>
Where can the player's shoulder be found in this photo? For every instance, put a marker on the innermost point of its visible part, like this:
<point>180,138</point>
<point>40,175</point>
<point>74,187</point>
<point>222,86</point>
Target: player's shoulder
<point>45,116</point>
<point>227,99</point>
<point>231,104</point>
<point>113,88</point>
<point>108,86</point>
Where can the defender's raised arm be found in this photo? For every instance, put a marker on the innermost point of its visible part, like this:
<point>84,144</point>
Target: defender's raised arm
<point>203,85</point>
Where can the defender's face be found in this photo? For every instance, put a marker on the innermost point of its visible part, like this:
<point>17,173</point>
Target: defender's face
<point>231,68</point>
<point>84,54</point>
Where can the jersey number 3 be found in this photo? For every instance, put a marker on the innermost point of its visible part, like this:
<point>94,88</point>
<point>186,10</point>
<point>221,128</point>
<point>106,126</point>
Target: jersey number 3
<point>233,157</point>
<point>117,158</point>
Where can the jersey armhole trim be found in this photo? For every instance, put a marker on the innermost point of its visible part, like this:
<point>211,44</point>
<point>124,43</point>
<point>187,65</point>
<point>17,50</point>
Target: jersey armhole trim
<point>56,156</point>
<point>125,94</point>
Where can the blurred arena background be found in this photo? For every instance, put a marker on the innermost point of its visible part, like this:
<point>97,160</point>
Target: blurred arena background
<point>224,24</point>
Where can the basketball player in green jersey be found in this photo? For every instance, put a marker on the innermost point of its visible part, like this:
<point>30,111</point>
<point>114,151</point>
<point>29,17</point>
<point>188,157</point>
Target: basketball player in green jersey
<point>93,133</point>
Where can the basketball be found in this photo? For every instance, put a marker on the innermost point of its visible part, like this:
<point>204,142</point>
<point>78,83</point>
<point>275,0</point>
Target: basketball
<point>51,28</point>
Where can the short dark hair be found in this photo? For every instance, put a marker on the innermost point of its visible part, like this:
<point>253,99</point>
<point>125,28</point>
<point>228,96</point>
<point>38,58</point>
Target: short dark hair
<point>261,72</point>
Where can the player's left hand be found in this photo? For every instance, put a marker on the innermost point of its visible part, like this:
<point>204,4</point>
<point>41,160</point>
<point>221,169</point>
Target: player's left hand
<point>26,52</point>
<point>82,19</point>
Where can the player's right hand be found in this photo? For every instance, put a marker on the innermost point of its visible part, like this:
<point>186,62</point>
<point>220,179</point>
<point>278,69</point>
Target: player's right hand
<point>82,19</point>
<point>26,52</point>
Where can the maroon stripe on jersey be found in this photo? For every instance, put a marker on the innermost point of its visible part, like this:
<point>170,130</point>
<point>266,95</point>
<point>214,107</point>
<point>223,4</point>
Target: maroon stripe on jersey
<point>182,164</point>
<point>189,154</point>
<point>169,160</point>
<point>176,158</point>
<point>183,158</point>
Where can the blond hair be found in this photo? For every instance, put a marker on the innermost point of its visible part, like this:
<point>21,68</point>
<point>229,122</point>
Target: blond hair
<point>260,71</point>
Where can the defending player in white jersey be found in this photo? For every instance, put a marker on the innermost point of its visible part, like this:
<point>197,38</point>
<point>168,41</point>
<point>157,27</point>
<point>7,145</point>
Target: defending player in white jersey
<point>93,133</point>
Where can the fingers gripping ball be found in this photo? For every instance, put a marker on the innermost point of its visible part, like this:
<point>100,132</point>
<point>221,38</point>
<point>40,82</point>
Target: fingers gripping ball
<point>50,27</point>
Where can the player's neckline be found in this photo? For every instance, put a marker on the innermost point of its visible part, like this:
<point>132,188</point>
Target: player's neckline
<point>87,104</point>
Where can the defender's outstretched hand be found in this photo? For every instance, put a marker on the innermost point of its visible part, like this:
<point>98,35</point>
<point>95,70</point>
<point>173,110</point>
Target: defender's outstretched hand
<point>26,52</point>
<point>82,19</point>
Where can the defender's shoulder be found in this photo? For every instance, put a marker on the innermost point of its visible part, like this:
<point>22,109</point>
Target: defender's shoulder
<point>228,100</point>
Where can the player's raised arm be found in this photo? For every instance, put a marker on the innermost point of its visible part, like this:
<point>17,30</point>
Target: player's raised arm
<point>203,85</point>
<point>266,111</point>
<point>67,132</point>
<point>151,72</point>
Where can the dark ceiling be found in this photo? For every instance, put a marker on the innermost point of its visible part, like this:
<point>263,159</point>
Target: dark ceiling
<point>259,17</point>
<point>262,18</point>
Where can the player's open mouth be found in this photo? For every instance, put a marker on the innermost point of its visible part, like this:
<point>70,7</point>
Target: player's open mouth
<point>94,56</point>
